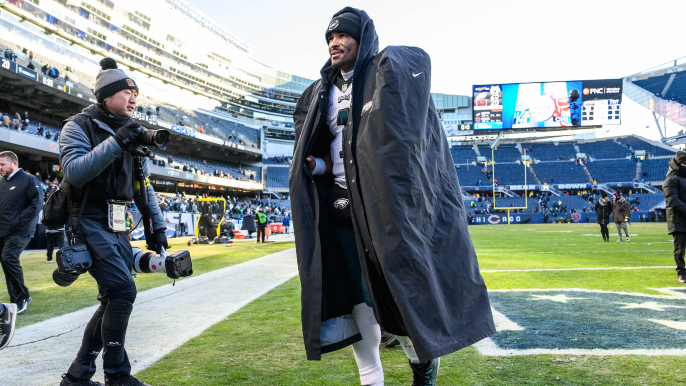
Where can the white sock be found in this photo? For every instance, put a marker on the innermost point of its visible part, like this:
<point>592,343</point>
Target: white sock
<point>409,348</point>
<point>367,350</point>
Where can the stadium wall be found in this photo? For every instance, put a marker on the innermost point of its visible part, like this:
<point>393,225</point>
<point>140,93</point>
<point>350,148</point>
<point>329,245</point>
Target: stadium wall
<point>537,218</point>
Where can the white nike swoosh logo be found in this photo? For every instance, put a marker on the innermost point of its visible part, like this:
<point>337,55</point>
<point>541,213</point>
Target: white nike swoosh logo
<point>416,75</point>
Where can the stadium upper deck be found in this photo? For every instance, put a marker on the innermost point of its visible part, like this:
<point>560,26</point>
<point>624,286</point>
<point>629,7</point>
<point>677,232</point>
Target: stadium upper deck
<point>145,36</point>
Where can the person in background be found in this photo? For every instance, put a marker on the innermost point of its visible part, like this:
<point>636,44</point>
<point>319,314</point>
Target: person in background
<point>603,209</point>
<point>620,215</point>
<point>674,189</point>
<point>286,222</point>
<point>55,235</point>
<point>21,199</point>
<point>261,220</point>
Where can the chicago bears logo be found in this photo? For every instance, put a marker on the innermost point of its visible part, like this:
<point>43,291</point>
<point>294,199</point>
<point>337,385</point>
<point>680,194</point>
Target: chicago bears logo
<point>130,82</point>
<point>576,217</point>
<point>494,219</point>
<point>340,203</point>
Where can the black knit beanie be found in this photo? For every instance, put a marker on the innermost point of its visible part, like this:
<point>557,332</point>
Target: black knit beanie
<point>110,80</point>
<point>680,157</point>
<point>348,23</point>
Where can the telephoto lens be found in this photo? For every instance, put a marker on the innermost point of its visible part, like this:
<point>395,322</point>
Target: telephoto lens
<point>176,265</point>
<point>157,138</point>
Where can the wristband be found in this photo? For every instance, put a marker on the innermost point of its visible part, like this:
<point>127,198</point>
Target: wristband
<point>320,168</point>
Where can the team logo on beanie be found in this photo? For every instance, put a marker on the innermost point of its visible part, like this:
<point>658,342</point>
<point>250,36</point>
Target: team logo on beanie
<point>333,25</point>
<point>130,82</point>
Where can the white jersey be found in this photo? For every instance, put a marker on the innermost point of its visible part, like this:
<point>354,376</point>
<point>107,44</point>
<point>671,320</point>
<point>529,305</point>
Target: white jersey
<point>339,107</point>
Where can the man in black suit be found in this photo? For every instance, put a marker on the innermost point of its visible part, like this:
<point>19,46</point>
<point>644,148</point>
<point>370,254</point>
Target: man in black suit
<point>20,203</point>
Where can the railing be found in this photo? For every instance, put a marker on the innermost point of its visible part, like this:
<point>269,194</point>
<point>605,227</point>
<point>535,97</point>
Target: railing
<point>674,112</point>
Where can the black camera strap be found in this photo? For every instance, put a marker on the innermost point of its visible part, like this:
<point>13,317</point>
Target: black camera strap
<point>75,227</point>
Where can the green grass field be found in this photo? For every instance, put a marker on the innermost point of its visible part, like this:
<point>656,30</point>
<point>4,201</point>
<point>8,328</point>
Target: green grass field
<point>50,300</point>
<point>262,343</point>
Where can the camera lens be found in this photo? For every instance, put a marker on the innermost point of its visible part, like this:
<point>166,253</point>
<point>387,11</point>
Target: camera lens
<point>161,138</point>
<point>63,279</point>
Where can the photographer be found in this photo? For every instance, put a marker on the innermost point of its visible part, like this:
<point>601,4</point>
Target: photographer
<point>96,149</point>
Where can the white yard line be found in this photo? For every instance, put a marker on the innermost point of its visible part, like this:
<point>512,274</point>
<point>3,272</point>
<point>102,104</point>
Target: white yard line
<point>163,319</point>
<point>571,269</point>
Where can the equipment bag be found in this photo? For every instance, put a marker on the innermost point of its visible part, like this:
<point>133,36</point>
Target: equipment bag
<point>56,207</point>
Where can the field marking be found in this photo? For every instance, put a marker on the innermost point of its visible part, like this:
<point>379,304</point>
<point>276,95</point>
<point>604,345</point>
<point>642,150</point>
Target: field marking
<point>546,244</point>
<point>503,323</point>
<point>489,348</point>
<point>565,252</point>
<point>670,292</point>
<point>40,352</point>
<point>671,324</point>
<point>571,269</point>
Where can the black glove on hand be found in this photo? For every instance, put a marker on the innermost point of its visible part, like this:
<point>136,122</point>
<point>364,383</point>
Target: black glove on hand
<point>127,136</point>
<point>160,240</point>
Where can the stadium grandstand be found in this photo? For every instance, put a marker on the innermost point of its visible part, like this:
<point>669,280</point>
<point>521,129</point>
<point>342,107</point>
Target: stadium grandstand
<point>231,115</point>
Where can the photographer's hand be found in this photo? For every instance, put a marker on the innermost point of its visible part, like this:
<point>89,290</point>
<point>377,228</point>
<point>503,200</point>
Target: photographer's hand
<point>127,136</point>
<point>160,241</point>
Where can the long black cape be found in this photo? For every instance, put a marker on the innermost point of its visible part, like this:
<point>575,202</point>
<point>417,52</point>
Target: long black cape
<point>410,223</point>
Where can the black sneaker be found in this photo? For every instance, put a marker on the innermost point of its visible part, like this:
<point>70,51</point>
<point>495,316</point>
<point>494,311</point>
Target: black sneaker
<point>681,278</point>
<point>23,305</point>
<point>424,374</point>
<point>123,380</point>
<point>388,340</point>
<point>68,380</point>
<point>7,320</point>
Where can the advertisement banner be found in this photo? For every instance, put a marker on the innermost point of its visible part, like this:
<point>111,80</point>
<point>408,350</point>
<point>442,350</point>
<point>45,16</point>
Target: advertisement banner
<point>477,188</point>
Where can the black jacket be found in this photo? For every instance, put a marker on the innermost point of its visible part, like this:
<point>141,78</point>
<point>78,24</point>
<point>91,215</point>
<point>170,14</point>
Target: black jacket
<point>674,190</point>
<point>603,209</point>
<point>21,199</point>
<point>410,224</point>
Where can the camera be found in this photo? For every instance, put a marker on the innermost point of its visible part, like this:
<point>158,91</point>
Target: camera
<point>176,265</point>
<point>75,260</point>
<point>72,261</point>
<point>151,137</point>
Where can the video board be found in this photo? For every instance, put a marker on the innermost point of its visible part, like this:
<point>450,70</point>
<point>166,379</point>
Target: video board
<point>547,104</point>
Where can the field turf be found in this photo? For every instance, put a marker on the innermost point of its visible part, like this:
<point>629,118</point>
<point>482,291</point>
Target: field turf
<point>262,343</point>
<point>50,300</point>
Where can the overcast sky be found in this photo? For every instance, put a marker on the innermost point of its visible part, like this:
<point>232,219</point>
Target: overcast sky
<point>472,42</point>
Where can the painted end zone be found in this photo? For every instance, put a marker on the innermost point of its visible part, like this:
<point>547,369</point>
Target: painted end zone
<point>587,322</point>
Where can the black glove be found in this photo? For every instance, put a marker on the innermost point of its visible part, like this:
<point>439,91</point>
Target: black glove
<point>127,136</point>
<point>160,241</point>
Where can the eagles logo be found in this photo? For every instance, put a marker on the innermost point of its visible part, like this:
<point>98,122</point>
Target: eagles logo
<point>340,203</point>
<point>333,25</point>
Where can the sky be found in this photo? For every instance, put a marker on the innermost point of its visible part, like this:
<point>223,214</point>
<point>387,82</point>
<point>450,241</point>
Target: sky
<point>472,42</point>
<point>478,42</point>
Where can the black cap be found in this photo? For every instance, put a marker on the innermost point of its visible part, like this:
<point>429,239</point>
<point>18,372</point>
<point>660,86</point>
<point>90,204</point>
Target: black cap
<point>603,194</point>
<point>680,157</point>
<point>348,23</point>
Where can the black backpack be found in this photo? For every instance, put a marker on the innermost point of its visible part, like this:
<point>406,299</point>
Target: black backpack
<point>56,207</point>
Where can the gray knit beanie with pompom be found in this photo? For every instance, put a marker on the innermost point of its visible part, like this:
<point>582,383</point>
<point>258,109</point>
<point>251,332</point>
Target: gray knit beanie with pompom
<point>110,80</point>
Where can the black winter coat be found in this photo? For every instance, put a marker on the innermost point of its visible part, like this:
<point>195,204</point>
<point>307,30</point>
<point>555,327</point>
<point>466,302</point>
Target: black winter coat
<point>21,200</point>
<point>674,190</point>
<point>410,225</point>
<point>603,209</point>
